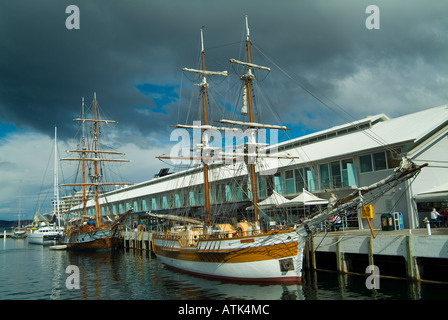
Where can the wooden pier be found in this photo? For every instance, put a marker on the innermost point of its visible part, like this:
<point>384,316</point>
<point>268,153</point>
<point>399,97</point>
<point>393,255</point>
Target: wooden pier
<point>139,239</point>
<point>409,254</point>
<point>406,254</point>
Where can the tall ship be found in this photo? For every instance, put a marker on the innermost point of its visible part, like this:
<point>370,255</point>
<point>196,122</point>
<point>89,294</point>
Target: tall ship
<point>244,244</point>
<point>98,229</point>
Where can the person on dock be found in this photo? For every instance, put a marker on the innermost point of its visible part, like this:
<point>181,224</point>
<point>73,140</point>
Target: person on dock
<point>434,214</point>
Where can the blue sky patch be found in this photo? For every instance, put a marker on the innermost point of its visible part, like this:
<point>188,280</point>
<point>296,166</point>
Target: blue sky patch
<point>160,95</point>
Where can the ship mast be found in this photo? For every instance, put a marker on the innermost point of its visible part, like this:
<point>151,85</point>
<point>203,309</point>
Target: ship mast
<point>96,177</point>
<point>94,157</point>
<point>205,142</point>
<point>247,104</point>
<point>83,156</point>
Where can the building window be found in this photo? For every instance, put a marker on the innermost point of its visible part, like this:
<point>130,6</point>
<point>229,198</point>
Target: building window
<point>278,183</point>
<point>324,176</point>
<point>177,202</point>
<point>191,198</point>
<point>144,205</point>
<point>310,180</point>
<point>200,197</point>
<point>228,189</point>
<point>289,182</point>
<point>262,187</point>
<point>299,178</point>
<point>379,161</point>
<point>348,173</point>
<point>135,206</point>
<point>366,163</point>
<point>336,178</point>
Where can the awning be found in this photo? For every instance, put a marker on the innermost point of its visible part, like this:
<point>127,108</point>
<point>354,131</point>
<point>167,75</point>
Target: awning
<point>306,198</point>
<point>439,193</point>
<point>274,200</point>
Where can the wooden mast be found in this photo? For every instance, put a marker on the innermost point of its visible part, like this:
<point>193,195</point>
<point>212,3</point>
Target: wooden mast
<point>96,177</point>
<point>204,139</point>
<point>248,79</point>
<point>204,85</point>
<point>83,156</point>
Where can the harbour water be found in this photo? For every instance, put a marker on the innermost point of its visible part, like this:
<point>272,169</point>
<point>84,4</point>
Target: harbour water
<point>34,272</point>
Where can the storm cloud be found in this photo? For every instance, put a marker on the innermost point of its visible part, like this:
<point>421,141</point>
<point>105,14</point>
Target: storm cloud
<point>130,53</point>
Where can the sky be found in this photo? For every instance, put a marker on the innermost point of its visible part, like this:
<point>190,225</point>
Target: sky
<point>328,68</point>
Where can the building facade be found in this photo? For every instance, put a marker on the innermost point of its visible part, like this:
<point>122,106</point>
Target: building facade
<point>333,161</point>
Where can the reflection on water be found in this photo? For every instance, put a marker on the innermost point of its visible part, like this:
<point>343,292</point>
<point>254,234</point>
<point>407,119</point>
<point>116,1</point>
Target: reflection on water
<point>35,272</point>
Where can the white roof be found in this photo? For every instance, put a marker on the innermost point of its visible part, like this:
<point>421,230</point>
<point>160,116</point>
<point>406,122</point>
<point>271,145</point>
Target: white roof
<point>409,128</point>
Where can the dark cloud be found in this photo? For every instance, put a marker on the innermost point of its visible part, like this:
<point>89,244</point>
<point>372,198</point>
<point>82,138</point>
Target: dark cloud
<point>124,46</point>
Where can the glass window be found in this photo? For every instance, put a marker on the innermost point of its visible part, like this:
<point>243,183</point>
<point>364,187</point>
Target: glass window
<point>228,193</point>
<point>366,163</point>
<point>177,202</point>
<point>135,206</point>
<point>289,182</point>
<point>154,204</point>
<point>324,176</point>
<point>191,198</point>
<point>144,205</point>
<point>278,183</point>
<point>262,189</point>
<point>200,197</point>
<point>379,161</point>
<point>310,179</point>
<point>336,178</point>
<point>299,178</point>
<point>164,202</point>
<point>348,173</point>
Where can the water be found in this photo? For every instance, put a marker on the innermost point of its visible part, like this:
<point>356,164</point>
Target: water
<point>33,272</point>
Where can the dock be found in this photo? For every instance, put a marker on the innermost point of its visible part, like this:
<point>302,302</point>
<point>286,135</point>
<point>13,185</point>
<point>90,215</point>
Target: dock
<point>410,254</point>
<point>403,254</point>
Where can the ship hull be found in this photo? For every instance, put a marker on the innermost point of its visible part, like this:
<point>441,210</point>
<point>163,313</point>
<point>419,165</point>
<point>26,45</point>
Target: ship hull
<point>275,257</point>
<point>103,239</point>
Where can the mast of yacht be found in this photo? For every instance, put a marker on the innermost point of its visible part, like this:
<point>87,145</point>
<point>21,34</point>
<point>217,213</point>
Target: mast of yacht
<point>204,140</point>
<point>56,177</point>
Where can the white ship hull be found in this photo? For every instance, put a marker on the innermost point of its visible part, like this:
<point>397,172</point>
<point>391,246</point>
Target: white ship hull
<point>49,237</point>
<point>273,257</point>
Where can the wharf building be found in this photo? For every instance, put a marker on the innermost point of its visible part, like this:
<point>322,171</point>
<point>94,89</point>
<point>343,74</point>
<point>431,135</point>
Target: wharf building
<point>334,161</point>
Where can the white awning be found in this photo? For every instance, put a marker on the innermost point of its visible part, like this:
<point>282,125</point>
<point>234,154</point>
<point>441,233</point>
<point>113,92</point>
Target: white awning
<point>439,193</point>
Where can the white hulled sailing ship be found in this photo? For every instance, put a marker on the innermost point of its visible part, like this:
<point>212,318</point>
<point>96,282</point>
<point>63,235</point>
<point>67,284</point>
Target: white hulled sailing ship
<point>97,230</point>
<point>245,250</point>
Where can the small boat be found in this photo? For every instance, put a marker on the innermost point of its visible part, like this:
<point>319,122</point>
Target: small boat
<point>46,235</point>
<point>19,233</point>
<point>58,247</point>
